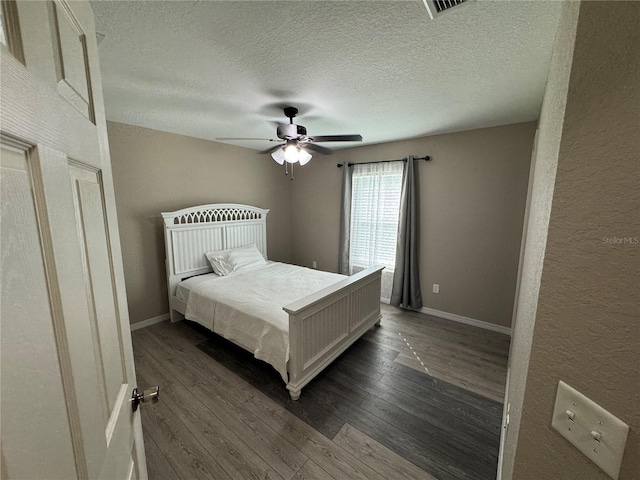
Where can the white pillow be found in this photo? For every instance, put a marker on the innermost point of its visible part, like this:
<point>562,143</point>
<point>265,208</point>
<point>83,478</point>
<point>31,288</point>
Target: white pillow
<point>225,262</point>
<point>219,262</point>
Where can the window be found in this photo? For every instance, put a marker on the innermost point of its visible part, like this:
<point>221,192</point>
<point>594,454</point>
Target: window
<point>375,206</point>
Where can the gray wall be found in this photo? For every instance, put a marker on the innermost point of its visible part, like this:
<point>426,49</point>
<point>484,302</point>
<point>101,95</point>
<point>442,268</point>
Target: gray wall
<point>156,172</point>
<point>587,322</point>
<point>472,197</point>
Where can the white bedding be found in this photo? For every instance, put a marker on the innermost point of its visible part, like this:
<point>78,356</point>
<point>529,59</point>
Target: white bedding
<point>184,287</point>
<point>247,306</point>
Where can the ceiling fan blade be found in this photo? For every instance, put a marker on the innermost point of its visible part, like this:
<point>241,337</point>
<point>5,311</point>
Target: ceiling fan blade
<point>336,138</point>
<point>316,148</point>
<point>261,139</point>
<point>271,150</point>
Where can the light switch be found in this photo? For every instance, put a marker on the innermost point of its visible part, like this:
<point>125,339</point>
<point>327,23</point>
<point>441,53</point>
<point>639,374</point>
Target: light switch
<point>590,428</point>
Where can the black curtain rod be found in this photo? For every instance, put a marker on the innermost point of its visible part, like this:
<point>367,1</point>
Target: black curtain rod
<point>426,158</point>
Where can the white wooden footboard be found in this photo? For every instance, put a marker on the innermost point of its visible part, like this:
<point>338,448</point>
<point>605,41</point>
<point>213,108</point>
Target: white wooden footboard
<point>324,324</point>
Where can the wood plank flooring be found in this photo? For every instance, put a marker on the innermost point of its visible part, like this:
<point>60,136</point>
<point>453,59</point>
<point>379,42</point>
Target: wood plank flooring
<point>374,414</point>
<point>463,355</point>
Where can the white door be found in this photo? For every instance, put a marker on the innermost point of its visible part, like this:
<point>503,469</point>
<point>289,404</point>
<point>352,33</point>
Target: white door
<point>67,368</point>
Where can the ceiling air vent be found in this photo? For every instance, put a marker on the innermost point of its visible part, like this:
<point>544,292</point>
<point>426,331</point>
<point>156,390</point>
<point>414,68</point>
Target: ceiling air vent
<point>438,7</point>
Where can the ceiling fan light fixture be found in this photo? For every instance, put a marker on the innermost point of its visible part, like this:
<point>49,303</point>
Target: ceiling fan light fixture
<point>278,156</point>
<point>303,156</point>
<point>291,153</point>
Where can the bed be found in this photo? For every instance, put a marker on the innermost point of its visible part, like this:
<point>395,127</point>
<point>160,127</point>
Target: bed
<point>304,335</point>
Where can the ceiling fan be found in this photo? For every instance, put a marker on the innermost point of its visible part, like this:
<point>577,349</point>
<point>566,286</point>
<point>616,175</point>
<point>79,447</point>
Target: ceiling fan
<point>294,144</point>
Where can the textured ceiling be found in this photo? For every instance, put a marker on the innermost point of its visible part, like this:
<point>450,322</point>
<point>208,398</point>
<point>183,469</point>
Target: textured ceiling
<point>381,69</point>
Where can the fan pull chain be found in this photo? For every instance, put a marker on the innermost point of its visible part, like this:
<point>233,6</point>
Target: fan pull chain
<point>286,169</point>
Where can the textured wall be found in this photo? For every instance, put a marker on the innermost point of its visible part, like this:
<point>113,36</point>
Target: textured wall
<point>156,172</point>
<point>472,197</point>
<point>587,329</point>
<point>542,184</point>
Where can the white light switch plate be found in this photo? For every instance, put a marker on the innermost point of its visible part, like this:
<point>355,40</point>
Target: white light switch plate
<point>589,420</point>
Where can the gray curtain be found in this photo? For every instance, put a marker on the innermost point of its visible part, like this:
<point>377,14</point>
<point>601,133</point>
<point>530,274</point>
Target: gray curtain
<point>345,221</point>
<point>406,280</point>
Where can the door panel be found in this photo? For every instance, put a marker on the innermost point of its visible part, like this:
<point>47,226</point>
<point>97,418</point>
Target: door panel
<point>70,56</point>
<point>10,37</point>
<point>32,388</point>
<point>90,220</point>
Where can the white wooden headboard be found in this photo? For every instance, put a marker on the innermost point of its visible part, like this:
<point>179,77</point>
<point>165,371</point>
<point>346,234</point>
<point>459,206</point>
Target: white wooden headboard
<point>191,232</point>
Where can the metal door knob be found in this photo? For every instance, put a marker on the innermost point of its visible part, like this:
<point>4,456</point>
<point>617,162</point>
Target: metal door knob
<point>150,395</point>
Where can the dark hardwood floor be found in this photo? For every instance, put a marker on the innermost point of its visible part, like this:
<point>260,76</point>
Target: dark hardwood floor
<point>374,413</point>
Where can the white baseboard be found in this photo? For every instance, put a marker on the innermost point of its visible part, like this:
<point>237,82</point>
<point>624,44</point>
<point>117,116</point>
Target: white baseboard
<point>149,321</point>
<point>466,320</point>
<point>429,311</point>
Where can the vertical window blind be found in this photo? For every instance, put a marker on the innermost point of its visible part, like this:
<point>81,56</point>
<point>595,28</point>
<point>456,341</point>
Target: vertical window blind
<point>375,206</point>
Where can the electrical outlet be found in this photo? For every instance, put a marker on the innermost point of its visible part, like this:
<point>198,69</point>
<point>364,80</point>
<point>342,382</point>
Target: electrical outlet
<point>436,288</point>
<point>598,434</point>
<point>315,264</point>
